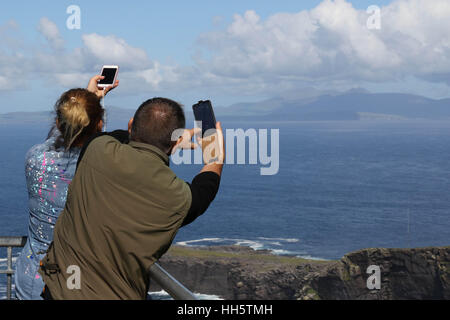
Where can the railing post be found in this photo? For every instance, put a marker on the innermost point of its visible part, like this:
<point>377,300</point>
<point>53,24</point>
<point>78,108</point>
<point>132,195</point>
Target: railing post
<point>9,243</point>
<point>9,275</point>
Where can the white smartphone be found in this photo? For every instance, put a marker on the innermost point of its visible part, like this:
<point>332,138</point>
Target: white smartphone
<point>110,73</point>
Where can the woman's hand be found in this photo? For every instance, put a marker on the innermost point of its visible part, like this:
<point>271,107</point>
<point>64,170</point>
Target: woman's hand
<point>185,141</point>
<point>99,92</point>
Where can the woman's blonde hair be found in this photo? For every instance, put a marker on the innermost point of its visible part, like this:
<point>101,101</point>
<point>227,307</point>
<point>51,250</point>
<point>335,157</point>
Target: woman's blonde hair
<point>78,113</point>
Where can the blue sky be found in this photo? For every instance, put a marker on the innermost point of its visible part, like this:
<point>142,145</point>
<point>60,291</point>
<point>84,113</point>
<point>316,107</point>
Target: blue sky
<point>189,50</point>
<point>167,29</point>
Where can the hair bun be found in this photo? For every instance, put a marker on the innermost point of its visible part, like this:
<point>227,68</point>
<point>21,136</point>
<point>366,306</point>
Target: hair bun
<point>75,111</point>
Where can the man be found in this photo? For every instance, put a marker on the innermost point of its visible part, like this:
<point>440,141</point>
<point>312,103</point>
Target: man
<point>125,206</point>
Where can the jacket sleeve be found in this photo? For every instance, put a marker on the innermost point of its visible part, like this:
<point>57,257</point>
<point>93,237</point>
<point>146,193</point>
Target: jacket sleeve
<point>204,188</point>
<point>120,135</point>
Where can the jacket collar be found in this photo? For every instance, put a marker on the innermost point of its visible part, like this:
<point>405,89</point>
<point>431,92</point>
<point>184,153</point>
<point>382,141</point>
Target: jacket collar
<point>152,149</point>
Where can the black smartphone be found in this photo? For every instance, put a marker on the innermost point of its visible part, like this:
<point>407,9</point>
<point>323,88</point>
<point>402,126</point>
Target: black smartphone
<point>204,113</point>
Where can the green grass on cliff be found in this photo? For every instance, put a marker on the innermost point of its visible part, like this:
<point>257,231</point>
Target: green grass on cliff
<point>250,256</point>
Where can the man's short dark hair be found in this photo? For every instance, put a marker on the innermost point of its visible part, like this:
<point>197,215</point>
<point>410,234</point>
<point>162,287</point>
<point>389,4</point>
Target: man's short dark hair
<point>156,120</point>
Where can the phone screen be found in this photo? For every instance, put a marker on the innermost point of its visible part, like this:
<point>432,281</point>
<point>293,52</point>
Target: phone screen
<point>110,75</point>
<point>204,113</point>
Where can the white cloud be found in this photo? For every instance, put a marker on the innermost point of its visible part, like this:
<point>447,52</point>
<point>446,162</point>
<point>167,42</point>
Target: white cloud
<point>51,32</point>
<point>72,79</point>
<point>332,43</point>
<point>4,83</point>
<point>115,50</point>
<point>328,46</point>
<point>74,68</point>
<point>14,66</point>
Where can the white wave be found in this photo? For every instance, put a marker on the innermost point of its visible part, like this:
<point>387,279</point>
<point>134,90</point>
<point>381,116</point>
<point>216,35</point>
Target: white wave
<point>186,243</point>
<point>163,295</point>
<point>308,257</point>
<point>261,243</point>
<point>249,243</point>
<point>281,252</point>
<point>289,240</point>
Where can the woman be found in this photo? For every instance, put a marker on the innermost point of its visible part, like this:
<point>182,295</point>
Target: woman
<point>49,169</point>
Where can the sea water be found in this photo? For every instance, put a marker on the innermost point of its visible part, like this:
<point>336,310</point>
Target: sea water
<point>342,186</point>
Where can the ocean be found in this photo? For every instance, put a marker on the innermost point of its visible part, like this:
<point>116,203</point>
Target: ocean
<point>341,186</point>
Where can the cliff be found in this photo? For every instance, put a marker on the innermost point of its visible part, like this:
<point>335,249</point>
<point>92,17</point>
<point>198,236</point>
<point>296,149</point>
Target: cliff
<point>242,273</point>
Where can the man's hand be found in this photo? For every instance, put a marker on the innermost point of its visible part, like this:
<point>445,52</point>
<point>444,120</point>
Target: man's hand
<point>214,151</point>
<point>99,92</point>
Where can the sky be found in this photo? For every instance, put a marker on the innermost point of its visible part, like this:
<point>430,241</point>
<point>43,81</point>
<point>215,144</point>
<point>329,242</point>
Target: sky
<point>227,51</point>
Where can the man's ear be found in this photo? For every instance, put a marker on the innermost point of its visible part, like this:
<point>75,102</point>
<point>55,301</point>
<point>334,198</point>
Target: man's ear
<point>130,125</point>
<point>100,125</point>
<point>180,139</point>
<point>172,148</point>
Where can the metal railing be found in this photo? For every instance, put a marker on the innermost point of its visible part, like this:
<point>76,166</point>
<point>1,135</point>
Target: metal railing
<point>171,285</point>
<point>168,283</point>
<point>10,243</point>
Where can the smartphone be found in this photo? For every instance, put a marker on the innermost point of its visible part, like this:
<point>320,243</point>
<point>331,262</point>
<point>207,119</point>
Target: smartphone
<point>204,116</point>
<point>110,74</point>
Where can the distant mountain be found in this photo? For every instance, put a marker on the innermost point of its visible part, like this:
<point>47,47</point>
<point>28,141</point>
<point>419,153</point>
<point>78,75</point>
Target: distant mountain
<point>352,105</point>
<point>305,105</point>
<point>41,117</point>
<point>117,117</point>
